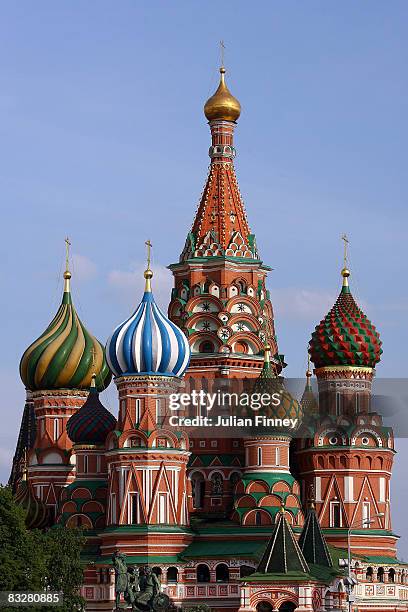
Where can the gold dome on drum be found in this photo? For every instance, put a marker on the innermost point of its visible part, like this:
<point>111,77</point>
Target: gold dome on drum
<point>222,105</point>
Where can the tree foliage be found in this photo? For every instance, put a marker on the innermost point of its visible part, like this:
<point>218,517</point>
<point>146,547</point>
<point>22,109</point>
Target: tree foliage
<point>35,560</point>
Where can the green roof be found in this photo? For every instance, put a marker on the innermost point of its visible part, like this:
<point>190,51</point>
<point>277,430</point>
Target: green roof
<point>282,553</point>
<point>312,541</point>
<point>211,549</point>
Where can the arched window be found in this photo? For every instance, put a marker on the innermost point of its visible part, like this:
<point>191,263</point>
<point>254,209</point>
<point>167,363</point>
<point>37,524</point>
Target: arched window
<point>216,484</point>
<point>258,518</point>
<point>207,347</point>
<point>222,573</point>
<point>264,606</point>
<point>203,573</point>
<point>369,574</point>
<point>287,606</point>
<point>259,455</point>
<point>380,574</point>
<point>198,489</point>
<point>391,575</point>
<point>172,574</point>
<point>157,571</point>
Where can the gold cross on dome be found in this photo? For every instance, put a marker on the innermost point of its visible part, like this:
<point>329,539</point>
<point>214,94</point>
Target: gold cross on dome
<point>222,51</point>
<point>346,243</point>
<point>149,247</point>
<point>67,245</point>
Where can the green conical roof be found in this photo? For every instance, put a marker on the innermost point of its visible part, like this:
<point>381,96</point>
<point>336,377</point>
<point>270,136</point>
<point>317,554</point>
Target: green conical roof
<point>312,542</point>
<point>282,553</point>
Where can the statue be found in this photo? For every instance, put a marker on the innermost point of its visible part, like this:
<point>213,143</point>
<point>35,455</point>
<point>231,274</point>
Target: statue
<point>141,589</point>
<point>121,579</point>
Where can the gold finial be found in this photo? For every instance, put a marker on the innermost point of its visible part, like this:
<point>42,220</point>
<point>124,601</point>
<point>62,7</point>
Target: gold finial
<point>67,273</point>
<point>24,469</point>
<point>282,507</point>
<point>267,353</point>
<point>311,498</point>
<point>345,271</point>
<point>148,274</point>
<point>308,371</point>
<point>93,379</point>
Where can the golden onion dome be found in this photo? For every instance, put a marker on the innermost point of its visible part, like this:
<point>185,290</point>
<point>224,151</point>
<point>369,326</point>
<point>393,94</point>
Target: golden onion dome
<point>222,105</point>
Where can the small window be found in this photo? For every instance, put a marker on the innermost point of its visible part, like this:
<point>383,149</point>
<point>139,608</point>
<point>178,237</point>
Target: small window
<point>202,443</point>
<point>259,455</point>
<point>338,404</point>
<point>214,443</point>
<point>235,444</point>
<point>56,429</point>
<point>335,514</point>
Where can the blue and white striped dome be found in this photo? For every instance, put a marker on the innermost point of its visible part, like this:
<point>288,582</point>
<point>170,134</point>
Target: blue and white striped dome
<point>148,342</point>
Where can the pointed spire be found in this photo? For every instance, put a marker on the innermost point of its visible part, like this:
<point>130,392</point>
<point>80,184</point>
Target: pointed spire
<point>309,401</point>
<point>312,542</point>
<point>282,553</point>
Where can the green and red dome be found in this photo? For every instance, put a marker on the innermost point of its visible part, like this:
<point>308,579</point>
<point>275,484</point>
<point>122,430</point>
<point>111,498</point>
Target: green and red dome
<point>92,423</point>
<point>345,337</point>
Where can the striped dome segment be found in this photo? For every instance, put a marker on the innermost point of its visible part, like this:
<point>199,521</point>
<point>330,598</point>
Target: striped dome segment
<point>148,343</point>
<point>36,511</point>
<point>65,355</point>
<point>345,336</point>
<point>92,423</point>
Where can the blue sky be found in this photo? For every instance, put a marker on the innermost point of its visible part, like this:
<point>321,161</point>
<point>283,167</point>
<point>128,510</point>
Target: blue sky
<point>104,139</point>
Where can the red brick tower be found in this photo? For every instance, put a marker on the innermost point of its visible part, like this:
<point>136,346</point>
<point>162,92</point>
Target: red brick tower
<point>146,462</point>
<point>349,458</point>
<point>221,302</point>
<point>57,371</point>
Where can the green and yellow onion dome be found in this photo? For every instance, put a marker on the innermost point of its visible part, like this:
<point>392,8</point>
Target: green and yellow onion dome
<point>36,511</point>
<point>65,355</point>
<point>288,407</point>
<point>345,337</point>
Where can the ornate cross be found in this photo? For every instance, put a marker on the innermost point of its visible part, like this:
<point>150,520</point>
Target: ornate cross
<point>222,50</point>
<point>67,245</point>
<point>149,247</point>
<point>346,243</point>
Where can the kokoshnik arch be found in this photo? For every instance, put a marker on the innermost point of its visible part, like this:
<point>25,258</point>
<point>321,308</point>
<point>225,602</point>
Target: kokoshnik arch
<point>259,523</point>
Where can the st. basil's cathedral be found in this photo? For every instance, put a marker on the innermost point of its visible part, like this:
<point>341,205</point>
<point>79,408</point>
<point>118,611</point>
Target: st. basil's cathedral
<point>241,524</point>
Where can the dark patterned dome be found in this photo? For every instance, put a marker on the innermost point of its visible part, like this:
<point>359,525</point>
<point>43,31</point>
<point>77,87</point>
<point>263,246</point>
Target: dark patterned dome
<point>345,336</point>
<point>92,423</point>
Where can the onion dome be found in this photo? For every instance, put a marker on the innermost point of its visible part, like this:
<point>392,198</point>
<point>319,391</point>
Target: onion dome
<point>35,509</point>
<point>269,382</point>
<point>92,422</point>
<point>148,342</point>
<point>222,105</point>
<point>66,354</point>
<point>345,337</point>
